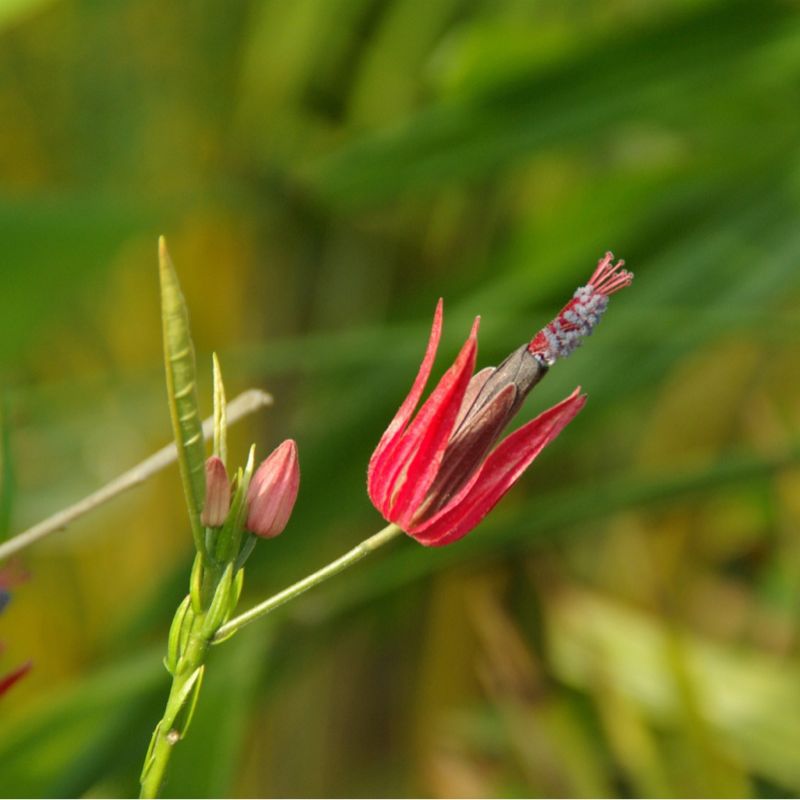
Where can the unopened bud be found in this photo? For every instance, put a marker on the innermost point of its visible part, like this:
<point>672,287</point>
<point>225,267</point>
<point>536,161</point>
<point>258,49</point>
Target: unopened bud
<point>218,493</point>
<point>273,491</point>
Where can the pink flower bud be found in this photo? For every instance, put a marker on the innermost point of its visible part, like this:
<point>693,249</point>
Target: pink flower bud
<point>218,493</point>
<point>273,491</point>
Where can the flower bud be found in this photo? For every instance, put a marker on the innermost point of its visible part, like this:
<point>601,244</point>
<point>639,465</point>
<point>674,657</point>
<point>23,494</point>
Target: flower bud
<point>273,491</point>
<point>218,493</point>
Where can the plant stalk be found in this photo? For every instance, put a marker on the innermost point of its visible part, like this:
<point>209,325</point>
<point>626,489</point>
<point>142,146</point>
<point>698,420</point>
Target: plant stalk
<point>271,603</point>
<point>167,734</point>
<point>189,670</point>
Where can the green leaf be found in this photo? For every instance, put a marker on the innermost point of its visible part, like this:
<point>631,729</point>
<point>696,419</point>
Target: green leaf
<point>180,367</point>
<point>236,591</point>
<point>220,413</point>
<point>231,531</point>
<point>148,759</point>
<point>221,603</point>
<point>188,700</point>
<point>176,635</point>
<point>196,585</point>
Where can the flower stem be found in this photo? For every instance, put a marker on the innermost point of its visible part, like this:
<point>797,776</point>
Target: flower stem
<point>270,604</point>
<point>188,672</point>
<point>185,682</point>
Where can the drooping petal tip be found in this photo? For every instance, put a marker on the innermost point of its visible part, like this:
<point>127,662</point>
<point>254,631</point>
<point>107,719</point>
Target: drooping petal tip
<point>498,473</point>
<point>382,454</point>
<point>418,453</point>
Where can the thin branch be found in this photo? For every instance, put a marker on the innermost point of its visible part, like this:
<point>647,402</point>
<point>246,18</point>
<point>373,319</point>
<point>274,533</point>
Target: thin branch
<point>241,406</point>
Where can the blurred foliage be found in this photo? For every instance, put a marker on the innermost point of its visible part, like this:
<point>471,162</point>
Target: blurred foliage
<point>627,620</point>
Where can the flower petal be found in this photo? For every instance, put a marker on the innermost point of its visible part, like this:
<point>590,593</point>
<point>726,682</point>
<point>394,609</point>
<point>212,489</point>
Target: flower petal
<point>418,454</point>
<point>497,475</point>
<point>466,450</point>
<point>375,486</point>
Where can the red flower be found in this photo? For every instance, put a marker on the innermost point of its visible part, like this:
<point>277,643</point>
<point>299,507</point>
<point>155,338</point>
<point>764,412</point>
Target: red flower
<point>434,476</point>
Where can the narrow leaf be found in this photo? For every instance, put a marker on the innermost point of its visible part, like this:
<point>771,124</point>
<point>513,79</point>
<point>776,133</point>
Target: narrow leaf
<point>180,366</point>
<point>236,591</point>
<point>148,759</point>
<point>231,532</point>
<point>190,702</point>
<point>220,605</point>
<point>185,700</point>
<point>174,647</point>
<point>220,413</point>
<point>196,585</point>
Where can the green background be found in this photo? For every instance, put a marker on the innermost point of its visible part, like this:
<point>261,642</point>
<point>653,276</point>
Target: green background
<point>626,622</point>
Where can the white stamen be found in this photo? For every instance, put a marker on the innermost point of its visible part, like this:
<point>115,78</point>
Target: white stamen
<point>582,318</point>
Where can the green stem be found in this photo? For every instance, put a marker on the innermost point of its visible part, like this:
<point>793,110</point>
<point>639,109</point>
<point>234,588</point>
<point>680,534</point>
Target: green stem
<point>270,604</point>
<point>186,678</point>
<point>167,734</point>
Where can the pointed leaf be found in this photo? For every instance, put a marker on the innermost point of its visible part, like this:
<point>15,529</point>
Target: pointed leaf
<point>220,604</point>
<point>179,362</point>
<point>220,413</point>
<point>231,532</point>
<point>189,695</point>
<point>174,642</point>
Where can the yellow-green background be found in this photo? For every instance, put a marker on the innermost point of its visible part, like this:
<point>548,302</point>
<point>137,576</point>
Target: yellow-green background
<point>626,622</point>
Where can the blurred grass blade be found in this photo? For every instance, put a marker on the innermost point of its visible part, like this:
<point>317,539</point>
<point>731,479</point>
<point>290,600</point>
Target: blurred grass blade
<point>482,130</point>
<point>60,745</point>
<point>179,362</point>
<point>6,469</point>
<point>12,11</point>
<point>751,700</point>
<point>220,413</point>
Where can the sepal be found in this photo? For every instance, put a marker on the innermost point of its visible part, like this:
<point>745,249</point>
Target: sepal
<point>174,642</point>
<point>187,701</point>
<point>196,585</point>
<point>220,604</point>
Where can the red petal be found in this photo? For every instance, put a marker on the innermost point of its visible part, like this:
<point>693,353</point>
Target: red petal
<point>377,488</point>
<point>497,475</point>
<point>418,456</point>
<point>466,451</point>
<point>7,681</point>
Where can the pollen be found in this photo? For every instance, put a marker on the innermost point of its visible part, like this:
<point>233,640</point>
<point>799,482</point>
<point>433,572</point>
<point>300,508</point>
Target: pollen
<point>580,316</point>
